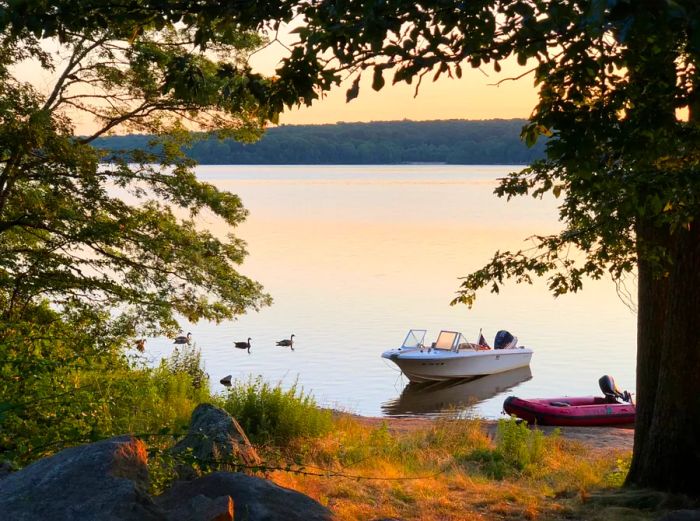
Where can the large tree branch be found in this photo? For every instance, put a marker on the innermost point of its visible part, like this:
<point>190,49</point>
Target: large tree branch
<point>79,54</point>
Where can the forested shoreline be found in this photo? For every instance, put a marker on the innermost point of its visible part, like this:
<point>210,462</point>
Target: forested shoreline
<point>495,141</point>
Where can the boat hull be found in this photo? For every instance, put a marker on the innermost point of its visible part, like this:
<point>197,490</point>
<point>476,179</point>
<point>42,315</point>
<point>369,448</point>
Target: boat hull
<point>437,365</point>
<point>581,411</point>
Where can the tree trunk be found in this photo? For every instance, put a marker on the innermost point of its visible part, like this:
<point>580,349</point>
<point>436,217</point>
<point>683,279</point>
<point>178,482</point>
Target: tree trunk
<point>666,452</point>
<point>651,301</point>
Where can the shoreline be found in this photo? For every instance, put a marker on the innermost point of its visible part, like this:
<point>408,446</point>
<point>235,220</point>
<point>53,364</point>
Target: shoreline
<point>595,438</point>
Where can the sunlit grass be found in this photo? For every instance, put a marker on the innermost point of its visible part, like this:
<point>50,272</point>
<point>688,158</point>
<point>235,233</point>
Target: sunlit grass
<point>444,470</point>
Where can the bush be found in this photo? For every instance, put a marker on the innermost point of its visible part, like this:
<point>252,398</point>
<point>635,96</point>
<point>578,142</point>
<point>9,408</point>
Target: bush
<point>268,413</point>
<point>492,463</point>
<point>187,359</point>
<point>63,383</point>
<point>518,449</point>
<point>519,445</point>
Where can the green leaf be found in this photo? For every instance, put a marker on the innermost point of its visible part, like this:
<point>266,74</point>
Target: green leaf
<point>378,79</point>
<point>353,91</point>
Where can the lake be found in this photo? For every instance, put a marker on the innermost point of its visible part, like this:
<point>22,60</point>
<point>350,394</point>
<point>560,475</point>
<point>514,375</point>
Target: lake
<point>355,256</point>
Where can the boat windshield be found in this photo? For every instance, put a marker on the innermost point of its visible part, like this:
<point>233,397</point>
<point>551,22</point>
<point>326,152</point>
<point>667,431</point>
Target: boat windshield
<point>414,339</point>
<point>448,340</point>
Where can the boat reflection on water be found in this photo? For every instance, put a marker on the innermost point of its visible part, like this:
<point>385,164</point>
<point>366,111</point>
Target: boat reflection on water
<point>437,398</point>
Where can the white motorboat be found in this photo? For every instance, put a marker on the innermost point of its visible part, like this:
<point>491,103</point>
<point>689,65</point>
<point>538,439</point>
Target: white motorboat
<point>451,356</point>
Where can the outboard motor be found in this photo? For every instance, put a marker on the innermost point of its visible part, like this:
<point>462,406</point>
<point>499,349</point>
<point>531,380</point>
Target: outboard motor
<point>504,340</point>
<point>610,390</point>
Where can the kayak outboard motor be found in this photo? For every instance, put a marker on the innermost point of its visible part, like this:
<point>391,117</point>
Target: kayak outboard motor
<point>504,340</point>
<point>610,390</point>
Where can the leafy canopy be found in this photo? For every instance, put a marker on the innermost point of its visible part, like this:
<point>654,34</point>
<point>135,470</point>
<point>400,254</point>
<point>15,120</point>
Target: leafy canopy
<point>83,228</point>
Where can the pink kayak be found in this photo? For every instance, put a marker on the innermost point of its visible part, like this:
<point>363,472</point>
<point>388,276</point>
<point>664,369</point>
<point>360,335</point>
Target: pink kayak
<point>581,411</point>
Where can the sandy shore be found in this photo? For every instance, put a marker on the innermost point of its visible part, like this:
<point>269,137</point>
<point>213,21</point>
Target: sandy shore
<point>603,438</point>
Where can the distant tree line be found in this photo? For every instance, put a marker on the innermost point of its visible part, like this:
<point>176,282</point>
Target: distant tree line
<point>495,141</point>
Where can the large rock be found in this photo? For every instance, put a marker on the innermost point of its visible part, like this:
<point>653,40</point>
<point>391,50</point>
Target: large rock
<point>201,508</point>
<point>215,436</point>
<point>105,480</point>
<point>255,499</point>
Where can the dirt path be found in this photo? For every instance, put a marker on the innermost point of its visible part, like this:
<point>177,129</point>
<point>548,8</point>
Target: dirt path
<point>604,438</point>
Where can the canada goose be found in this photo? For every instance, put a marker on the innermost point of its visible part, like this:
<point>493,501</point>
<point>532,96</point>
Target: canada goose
<point>226,380</point>
<point>183,339</point>
<point>287,342</point>
<point>141,344</point>
<point>243,345</point>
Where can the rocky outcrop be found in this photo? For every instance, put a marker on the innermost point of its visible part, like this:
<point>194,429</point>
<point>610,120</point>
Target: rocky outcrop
<point>215,436</point>
<point>108,481</point>
<point>105,480</point>
<point>255,499</point>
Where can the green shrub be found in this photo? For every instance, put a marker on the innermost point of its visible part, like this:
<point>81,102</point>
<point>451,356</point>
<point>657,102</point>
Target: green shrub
<point>517,449</point>
<point>187,359</point>
<point>63,383</point>
<point>519,445</point>
<point>268,413</point>
<point>47,397</point>
<point>147,401</point>
<point>491,463</point>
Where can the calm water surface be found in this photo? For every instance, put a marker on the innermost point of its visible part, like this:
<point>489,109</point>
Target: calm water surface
<point>354,256</point>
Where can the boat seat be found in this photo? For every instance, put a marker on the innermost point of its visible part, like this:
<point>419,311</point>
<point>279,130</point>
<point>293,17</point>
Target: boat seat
<point>560,404</point>
<point>470,345</point>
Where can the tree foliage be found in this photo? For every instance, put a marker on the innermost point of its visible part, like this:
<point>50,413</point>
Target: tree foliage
<point>65,379</point>
<point>84,229</point>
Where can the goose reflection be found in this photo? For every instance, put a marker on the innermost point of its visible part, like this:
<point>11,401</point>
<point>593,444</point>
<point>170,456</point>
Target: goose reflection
<point>431,399</point>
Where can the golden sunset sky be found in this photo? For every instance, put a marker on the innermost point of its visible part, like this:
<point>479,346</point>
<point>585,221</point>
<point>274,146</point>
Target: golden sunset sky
<point>474,96</point>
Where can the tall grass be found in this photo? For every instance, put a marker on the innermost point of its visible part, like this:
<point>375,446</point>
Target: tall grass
<point>270,414</point>
<point>451,469</point>
<point>351,445</point>
<point>148,401</point>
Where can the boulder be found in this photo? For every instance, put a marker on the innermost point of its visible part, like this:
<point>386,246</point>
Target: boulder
<point>6,469</point>
<point>215,436</point>
<point>255,499</point>
<point>106,480</point>
<point>200,508</point>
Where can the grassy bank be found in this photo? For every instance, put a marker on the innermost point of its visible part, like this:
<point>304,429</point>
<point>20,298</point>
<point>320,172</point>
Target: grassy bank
<point>448,469</point>
<point>452,469</point>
